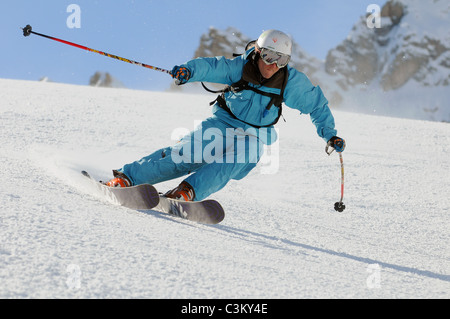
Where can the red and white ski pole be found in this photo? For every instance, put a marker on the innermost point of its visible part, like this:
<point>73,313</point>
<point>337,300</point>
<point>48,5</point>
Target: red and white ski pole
<point>28,30</point>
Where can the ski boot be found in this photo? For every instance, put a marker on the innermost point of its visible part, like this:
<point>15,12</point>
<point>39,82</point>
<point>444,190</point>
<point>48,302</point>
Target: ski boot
<point>183,192</point>
<point>119,180</point>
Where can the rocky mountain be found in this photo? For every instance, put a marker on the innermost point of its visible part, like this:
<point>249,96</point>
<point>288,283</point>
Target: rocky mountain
<point>222,43</point>
<point>412,44</point>
<point>400,67</point>
<point>104,79</point>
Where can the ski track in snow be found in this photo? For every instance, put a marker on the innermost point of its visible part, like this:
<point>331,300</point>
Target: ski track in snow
<point>281,237</point>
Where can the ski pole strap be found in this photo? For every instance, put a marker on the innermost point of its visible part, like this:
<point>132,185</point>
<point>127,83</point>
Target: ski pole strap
<point>327,149</point>
<point>213,91</point>
<point>28,30</point>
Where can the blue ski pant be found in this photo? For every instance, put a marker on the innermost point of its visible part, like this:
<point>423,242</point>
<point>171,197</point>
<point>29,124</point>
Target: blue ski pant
<point>213,154</point>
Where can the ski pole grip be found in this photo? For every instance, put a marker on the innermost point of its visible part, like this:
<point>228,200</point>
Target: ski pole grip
<point>27,30</point>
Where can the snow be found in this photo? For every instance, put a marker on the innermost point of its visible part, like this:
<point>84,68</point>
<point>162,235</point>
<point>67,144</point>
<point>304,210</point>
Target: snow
<point>281,237</point>
<point>428,18</point>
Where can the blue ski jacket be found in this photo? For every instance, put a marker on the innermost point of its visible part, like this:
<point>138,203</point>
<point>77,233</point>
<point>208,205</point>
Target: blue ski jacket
<point>250,106</point>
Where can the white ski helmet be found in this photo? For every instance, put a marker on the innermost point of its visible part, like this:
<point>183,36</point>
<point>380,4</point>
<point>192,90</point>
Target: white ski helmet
<point>275,40</point>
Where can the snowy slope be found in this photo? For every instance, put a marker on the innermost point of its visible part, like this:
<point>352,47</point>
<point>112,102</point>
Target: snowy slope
<point>281,237</point>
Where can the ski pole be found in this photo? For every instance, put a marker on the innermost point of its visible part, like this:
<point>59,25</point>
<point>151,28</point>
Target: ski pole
<point>339,206</point>
<point>28,30</point>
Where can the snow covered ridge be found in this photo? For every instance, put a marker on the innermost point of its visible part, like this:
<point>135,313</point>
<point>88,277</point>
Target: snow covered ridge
<point>409,57</point>
<point>413,44</point>
<point>281,237</point>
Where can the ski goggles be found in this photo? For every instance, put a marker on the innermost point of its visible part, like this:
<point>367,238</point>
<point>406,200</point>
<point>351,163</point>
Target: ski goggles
<point>270,57</point>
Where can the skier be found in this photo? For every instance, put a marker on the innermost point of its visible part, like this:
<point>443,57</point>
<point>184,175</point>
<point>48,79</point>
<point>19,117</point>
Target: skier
<point>246,111</point>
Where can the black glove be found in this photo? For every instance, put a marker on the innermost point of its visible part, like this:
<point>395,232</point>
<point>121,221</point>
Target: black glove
<point>337,143</point>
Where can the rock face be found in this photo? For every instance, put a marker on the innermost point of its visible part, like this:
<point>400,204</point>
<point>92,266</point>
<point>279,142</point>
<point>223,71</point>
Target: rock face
<point>104,79</point>
<point>412,44</point>
<point>221,43</point>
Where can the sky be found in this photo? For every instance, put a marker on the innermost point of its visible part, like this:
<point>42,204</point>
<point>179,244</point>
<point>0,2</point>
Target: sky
<point>159,33</point>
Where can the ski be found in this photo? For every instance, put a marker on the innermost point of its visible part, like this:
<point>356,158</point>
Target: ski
<point>207,211</point>
<point>146,197</point>
<point>143,196</point>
